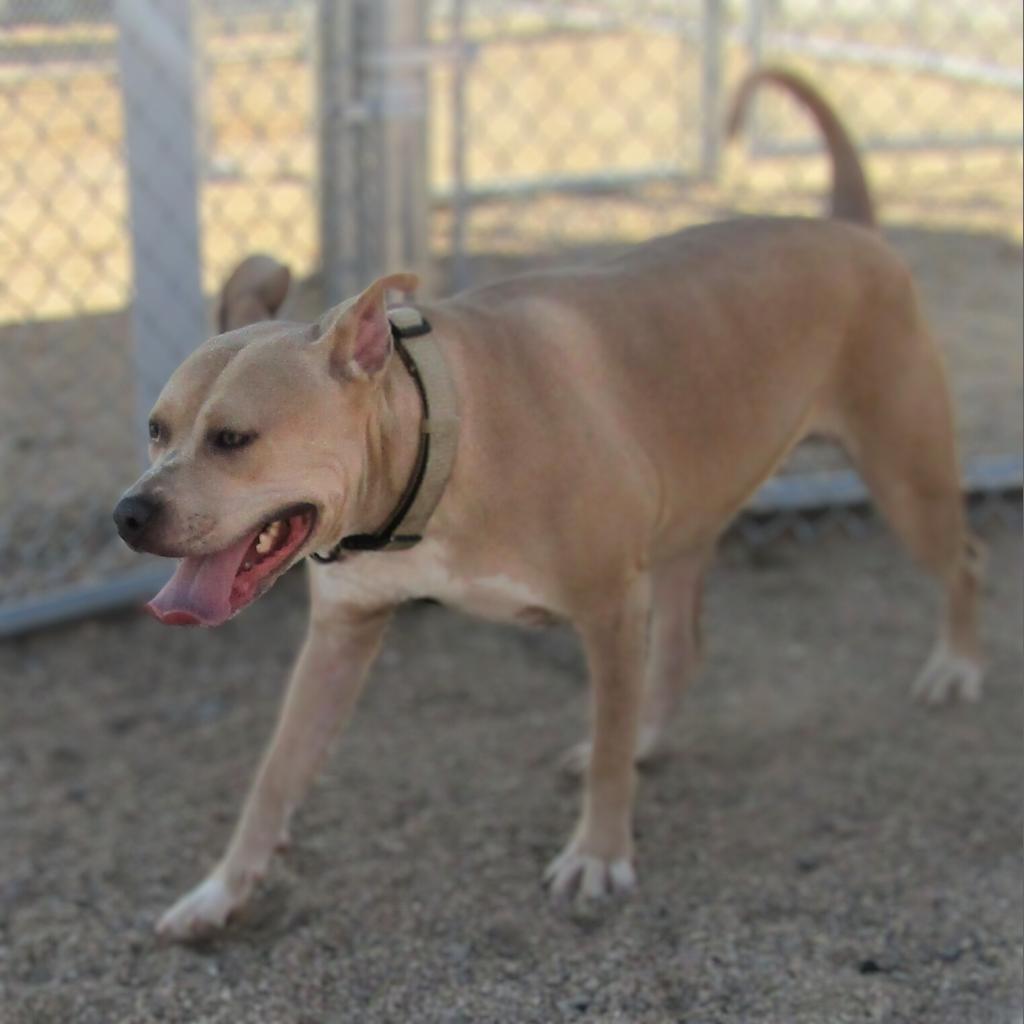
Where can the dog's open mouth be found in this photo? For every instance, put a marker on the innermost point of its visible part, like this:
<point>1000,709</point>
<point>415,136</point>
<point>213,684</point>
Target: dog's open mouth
<point>207,590</point>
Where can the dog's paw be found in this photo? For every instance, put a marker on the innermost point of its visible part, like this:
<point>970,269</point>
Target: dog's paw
<point>575,875</point>
<point>204,910</point>
<point>948,675</point>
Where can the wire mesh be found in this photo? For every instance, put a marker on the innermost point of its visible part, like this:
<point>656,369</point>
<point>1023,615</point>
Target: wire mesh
<point>586,126</point>
<point>85,205</point>
<point>151,145</point>
<point>66,373</point>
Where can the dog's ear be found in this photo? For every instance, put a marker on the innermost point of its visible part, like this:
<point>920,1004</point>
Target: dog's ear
<point>273,289</point>
<point>255,291</point>
<point>357,334</point>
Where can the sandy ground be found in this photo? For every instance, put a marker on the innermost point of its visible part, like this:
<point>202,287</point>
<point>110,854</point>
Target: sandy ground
<point>816,850</point>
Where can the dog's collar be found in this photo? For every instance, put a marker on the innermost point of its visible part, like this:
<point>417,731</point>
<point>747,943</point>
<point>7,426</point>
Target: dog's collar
<point>439,431</point>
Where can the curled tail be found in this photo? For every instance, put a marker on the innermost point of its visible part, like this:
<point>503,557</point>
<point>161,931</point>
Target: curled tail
<point>851,197</point>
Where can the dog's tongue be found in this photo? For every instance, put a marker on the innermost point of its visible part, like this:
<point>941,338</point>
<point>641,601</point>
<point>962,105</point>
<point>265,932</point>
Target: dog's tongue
<point>199,592</point>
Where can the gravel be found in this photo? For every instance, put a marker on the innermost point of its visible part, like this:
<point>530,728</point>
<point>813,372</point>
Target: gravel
<point>816,850</point>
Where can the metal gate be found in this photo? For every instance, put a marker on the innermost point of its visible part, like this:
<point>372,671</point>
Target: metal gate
<point>579,127</point>
<point>967,55</point>
<point>152,143</point>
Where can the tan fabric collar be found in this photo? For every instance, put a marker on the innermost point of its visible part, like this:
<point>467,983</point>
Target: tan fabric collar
<point>439,434</point>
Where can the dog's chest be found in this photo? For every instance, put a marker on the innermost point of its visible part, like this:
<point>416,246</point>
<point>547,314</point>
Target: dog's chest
<point>375,579</point>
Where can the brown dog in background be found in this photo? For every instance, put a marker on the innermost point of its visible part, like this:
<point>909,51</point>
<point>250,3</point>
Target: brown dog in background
<point>612,420</point>
<point>256,290</point>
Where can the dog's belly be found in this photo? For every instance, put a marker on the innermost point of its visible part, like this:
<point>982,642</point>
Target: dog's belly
<point>373,580</point>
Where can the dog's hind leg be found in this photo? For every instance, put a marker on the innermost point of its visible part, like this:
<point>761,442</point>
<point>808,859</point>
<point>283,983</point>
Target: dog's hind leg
<point>673,656</point>
<point>899,431</point>
<point>325,684</point>
<point>675,649</point>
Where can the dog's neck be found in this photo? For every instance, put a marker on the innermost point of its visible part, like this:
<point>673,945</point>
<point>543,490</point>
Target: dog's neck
<point>391,447</point>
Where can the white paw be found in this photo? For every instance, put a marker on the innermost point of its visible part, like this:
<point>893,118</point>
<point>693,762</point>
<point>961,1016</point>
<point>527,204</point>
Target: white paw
<point>948,675</point>
<point>203,910</point>
<point>582,876</point>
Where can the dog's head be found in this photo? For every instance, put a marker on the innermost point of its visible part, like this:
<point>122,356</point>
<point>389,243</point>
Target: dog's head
<point>260,445</point>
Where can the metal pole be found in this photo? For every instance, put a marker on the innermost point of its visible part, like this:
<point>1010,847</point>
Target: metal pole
<point>156,56</point>
<point>398,59</point>
<point>756,15</point>
<point>460,195</point>
<point>374,200</point>
<point>337,75</point>
<point>75,602</point>
<point>711,89</point>
<point>755,31</point>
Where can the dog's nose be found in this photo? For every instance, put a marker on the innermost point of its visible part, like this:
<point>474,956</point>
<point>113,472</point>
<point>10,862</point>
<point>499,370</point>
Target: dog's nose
<point>132,514</point>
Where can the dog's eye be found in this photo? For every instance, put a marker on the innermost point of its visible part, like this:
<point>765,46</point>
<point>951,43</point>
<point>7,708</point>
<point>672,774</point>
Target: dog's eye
<point>228,439</point>
<point>154,430</point>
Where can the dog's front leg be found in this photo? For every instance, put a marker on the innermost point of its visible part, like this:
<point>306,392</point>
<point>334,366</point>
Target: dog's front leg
<point>324,687</point>
<point>598,859</point>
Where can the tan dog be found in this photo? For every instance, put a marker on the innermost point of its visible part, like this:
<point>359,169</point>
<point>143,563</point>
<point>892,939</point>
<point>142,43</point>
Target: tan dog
<point>613,419</point>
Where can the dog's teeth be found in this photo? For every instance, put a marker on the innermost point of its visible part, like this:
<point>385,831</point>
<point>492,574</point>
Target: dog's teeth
<point>268,537</point>
<point>246,566</point>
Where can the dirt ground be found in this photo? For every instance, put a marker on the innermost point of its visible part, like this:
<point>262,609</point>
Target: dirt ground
<point>817,849</point>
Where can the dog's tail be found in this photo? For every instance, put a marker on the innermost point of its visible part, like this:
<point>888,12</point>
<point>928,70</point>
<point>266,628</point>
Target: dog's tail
<point>254,291</point>
<point>851,197</point>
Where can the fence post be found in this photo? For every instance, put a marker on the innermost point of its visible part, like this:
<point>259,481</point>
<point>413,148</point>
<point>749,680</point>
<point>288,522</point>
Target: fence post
<point>155,53</point>
<point>399,61</point>
<point>374,201</point>
<point>460,185</point>
<point>338,72</point>
<point>757,15</point>
<point>711,89</point>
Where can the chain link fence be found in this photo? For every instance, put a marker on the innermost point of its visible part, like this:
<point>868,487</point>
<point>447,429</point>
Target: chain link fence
<point>150,147</point>
<point>151,144</point>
